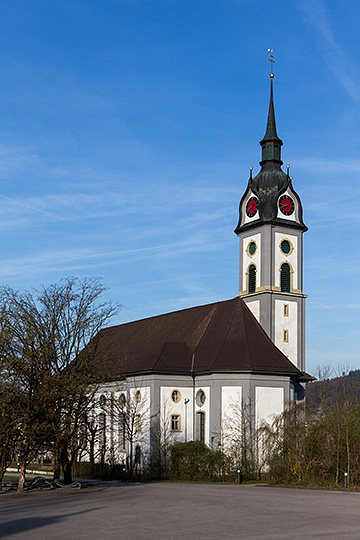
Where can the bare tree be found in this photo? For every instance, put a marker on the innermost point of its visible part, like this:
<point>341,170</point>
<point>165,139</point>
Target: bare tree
<point>131,415</point>
<point>285,444</point>
<point>47,331</point>
<point>162,440</point>
<point>240,436</point>
<point>10,414</point>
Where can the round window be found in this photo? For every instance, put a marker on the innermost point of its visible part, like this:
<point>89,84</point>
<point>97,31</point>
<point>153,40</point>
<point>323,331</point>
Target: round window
<point>251,248</point>
<point>285,247</point>
<point>176,396</point>
<point>200,398</point>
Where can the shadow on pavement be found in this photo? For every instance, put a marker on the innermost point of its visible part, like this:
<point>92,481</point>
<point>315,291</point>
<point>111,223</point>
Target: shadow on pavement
<point>27,524</point>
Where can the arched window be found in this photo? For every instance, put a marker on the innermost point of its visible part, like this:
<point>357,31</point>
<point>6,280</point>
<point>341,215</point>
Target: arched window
<point>122,431</point>
<point>102,435</point>
<point>200,426</point>
<point>122,401</point>
<point>137,455</point>
<point>285,277</point>
<point>102,401</point>
<point>269,151</point>
<point>252,278</point>
<point>276,152</point>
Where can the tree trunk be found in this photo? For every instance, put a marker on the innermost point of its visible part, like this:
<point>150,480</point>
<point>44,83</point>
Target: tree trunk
<point>131,464</point>
<point>66,466</point>
<point>22,472</point>
<point>56,477</point>
<point>2,471</point>
<point>67,473</point>
<point>92,451</point>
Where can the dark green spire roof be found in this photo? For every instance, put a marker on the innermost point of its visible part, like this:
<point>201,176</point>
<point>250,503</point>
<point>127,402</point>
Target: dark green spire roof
<point>270,133</point>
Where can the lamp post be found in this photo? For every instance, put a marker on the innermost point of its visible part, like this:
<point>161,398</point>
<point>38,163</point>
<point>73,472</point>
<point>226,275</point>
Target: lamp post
<point>186,401</point>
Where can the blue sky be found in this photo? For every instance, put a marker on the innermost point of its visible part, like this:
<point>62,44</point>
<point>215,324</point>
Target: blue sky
<point>127,128</point>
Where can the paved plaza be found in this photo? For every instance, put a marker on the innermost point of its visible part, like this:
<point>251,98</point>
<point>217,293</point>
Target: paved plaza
<point>180,511</point>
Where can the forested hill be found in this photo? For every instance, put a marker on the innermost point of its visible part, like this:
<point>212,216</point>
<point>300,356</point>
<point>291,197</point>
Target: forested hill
<point>330,390</point>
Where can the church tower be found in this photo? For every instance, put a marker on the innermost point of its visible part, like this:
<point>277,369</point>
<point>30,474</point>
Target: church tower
<point>270,231</point>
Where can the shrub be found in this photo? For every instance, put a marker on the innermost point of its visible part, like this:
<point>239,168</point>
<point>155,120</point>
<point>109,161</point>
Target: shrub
<point>194,460</point>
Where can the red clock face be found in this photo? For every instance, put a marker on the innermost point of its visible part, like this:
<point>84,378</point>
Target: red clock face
<point>286,205</point>
<point>252,206</point>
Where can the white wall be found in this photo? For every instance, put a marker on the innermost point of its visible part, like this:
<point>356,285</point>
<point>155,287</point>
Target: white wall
<point>289,323</point>
<point>247,260</point>
<point>186,411</point>
<point>231,404</point>
<point>269,403</point>
<point>254,306</point>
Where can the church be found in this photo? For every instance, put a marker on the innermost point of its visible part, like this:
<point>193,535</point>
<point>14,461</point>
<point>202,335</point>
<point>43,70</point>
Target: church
<point>188,374</point>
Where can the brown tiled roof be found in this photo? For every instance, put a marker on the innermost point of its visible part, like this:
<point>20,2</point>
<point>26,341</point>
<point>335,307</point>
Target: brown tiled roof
<point>224,336</point>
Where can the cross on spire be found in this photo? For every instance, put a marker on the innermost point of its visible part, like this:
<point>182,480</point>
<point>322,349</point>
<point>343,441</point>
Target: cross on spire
<point>273,61</point>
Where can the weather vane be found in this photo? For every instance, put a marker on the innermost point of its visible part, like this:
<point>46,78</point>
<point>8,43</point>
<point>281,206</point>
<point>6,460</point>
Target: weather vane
<point>273,61</point>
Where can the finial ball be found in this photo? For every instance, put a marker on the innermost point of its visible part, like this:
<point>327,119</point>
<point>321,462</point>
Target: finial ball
<point>271,75</point>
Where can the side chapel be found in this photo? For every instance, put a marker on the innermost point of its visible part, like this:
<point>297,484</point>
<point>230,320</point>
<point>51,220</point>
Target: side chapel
<point>185,372</point>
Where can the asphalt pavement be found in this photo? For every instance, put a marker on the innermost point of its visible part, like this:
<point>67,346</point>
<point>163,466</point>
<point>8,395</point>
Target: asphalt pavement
<point>180,511</point>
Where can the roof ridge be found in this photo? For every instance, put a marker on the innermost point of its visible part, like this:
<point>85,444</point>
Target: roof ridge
<point>243,305</point>
<point>212,314</point>
<point>210,304</point>
<point>226,334</point>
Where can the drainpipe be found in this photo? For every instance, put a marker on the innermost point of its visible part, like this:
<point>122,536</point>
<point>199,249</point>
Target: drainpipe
<point>193,399</point>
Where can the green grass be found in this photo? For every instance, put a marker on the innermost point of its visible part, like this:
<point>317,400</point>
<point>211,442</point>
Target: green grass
<point>13,478</point>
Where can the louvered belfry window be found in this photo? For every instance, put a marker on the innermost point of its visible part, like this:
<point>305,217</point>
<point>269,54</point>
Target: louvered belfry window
<point>285,277</point>
<point>252,278</point>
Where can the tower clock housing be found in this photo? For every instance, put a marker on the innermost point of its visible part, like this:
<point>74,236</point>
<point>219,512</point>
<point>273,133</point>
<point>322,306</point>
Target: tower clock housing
<point>270,231</point>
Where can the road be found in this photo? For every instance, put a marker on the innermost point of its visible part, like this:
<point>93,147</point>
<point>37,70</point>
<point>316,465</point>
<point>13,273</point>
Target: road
<point>180,511</point>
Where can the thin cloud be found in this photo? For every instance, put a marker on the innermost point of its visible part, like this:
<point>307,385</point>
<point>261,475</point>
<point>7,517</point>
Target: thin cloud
<point>328,165</point>
<point>336,58</point>
<point>67,260</point>
<point>337,307</point>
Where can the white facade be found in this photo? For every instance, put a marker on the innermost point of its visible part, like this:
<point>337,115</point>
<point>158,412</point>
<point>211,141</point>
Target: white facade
<point>165,414</point>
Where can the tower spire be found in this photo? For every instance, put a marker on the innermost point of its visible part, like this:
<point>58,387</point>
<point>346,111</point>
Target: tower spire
<point>271,180</point>
<point>271,133</point>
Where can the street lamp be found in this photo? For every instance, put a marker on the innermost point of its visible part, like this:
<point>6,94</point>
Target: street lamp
<point>186,401</point>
